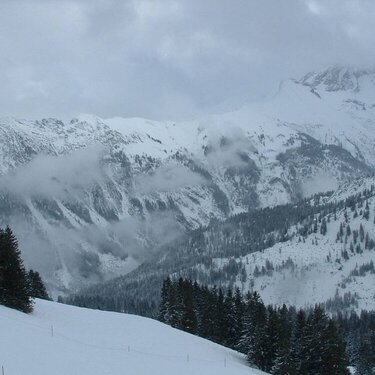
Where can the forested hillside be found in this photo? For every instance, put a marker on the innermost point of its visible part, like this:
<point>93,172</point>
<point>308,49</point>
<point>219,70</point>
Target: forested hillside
<point>323,244</point>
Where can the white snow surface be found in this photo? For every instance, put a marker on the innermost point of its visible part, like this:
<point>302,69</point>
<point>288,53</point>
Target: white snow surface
<point>314,271</point>
<point>92,342</point>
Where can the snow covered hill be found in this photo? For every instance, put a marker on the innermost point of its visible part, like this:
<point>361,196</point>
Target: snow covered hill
<point>60,339</point>
<point>333,266</point>
<point>90,199</point>
<point>319,250</point>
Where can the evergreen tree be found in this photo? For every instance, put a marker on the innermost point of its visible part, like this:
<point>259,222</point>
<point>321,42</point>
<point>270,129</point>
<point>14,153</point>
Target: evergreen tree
<point>175,306</point>
<point>255,328</point>
<point>231,320</point>
<point>322,352</point>
<point>238,316</point>
<point>37,288</point>
<point>283,364</point>
<point>315,229</point>
<point>165,296</point>
<point>312,346</point>
<point>334,359</point>
<point>365,362</point>
<point>206,313</point>
<point>14,284</point>
<point>246,338</point>
<point>269,341</point>
<point>283,360</point>
<point>297,343</point>
<point>361,233</point>
<point>188,317</point>
<point>221,323</point>
<point>341,230</point>
<point>323,227</point>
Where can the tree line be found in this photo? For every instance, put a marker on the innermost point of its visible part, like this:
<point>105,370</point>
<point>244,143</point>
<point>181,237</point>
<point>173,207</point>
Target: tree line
<point>279,340</point>
<point>18,287</point>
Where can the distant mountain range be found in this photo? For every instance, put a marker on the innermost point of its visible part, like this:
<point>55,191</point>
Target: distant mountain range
<point>93,198</point>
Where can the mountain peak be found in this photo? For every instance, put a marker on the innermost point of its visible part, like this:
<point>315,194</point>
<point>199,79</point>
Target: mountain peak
<point>336,78</point>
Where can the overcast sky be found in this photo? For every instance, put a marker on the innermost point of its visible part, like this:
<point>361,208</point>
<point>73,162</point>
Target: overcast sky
<point>168,59</point>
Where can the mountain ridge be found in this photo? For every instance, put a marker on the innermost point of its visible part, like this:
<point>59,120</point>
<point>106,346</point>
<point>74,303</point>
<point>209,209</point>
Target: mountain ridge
<point>94,197</point>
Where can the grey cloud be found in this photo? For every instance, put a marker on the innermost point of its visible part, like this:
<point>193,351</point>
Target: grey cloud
<point>75,253</point>
<point>168,58</point>
<point>51,176</point>
<point>226,149</point>
<point>168,178</point>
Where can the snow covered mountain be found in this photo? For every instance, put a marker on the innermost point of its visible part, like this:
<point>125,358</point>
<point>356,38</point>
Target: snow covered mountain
<point>333,264</point>
<point>91,198</point>
<point>318,250</point>
<point>59,339</point>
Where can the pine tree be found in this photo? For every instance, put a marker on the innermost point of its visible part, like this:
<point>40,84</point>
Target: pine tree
<point>175,306</point>
<point>37,288</point>
<point>188,317</point>
<point>252,339</point>
<point>206,313</point>
<point>221,323</point>
<point>365,362</point>
<point>341,230</point>
<point>361,233</point>
<point>245,340</point>
<point>297,343</point>
<point>283,364</point>
<point>334,360</point>
<point>238,315</point>
<point>323,227</point>
<point>269,341</point>
<point>283,360</point>
<point>14,284</point>
<point>323,352</point>
<point>366,213</point>
<point>315,229</point>
<point>231,323</point>
<point>164,310</point>
<point>312,347</point>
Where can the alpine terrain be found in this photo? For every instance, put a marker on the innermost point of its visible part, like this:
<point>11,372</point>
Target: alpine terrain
<point>91,199</point>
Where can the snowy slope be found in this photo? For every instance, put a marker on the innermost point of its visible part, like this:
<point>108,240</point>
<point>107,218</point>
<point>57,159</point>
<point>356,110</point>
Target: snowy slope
<point>335,105</point>
<point>319,268</point>
<point>91,342</point>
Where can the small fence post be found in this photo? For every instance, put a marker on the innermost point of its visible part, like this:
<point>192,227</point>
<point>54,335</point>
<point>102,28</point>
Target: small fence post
<point>128,348</point>
<point>187,358</point>
<point>2,370</point>
<point>225,361</point>
<point>51,331</point>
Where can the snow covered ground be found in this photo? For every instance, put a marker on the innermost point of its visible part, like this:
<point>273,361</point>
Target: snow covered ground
<point>305,272</point>
<point>59,339</point>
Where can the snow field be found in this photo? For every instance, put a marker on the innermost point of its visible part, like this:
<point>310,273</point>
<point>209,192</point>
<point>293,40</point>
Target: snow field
<point>59,339</point>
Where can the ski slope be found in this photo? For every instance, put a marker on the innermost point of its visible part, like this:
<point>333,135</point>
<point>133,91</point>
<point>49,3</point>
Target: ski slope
<point>60,339</point>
